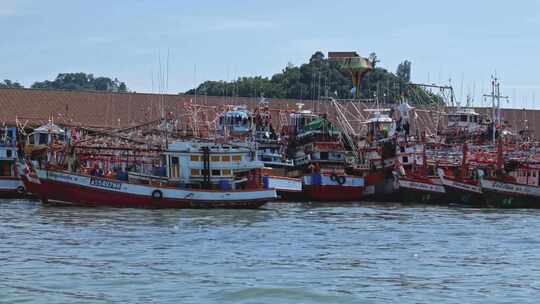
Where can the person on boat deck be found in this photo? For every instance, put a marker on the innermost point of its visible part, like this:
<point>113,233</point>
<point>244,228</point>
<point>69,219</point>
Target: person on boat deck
<point>96,171</point>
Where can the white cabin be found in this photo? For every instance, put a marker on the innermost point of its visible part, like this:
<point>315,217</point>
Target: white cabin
<point>46,135</point>
<point>466,119</point>
<point>185,162</point>
<point>380,125</point>
<point>238,121</point>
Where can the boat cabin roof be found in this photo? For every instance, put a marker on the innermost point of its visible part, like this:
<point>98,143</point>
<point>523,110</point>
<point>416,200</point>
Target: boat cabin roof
<point>379,117</point>
<point>49,128</point>
<point>464,111</point>
<point>194,146</point>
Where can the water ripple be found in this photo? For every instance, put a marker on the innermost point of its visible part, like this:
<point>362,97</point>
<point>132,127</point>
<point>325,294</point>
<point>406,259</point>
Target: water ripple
<point>283,253</point>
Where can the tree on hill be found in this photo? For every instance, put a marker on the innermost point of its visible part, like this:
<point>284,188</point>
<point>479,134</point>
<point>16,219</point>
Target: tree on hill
<point>318,78</point>
<point>8,84</point>
<point>82,82</point>
<point>404,71</point>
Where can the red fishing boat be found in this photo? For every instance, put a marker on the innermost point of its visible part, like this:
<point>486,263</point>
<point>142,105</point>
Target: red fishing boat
<point>195,175</point>
<point>462,184</point>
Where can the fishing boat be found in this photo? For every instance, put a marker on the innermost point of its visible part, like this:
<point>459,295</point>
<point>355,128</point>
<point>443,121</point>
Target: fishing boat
<point>378,155</point>
<point>255,130</point>
<point>419,182</point>
<point>195,175</point>
<point>515,183</point>
<point>462,183</point>
<point>320,158</point>
<point>509,192</point>
<point>10,182</point>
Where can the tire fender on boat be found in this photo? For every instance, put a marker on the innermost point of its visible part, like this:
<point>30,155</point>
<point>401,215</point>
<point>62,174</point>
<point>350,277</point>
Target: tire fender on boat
<point>341,180</point>
<point>21,190</point>
<point>333,177</point>
<point>157,194</point>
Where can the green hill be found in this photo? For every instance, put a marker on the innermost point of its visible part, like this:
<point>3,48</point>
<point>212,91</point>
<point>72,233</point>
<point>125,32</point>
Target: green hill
<point>318,78</point>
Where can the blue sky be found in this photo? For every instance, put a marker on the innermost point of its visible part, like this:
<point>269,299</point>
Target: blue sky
<point>465,41</point>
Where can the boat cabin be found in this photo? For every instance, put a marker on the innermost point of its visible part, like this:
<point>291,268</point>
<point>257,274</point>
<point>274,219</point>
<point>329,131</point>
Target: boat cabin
<point>380,126</point>
<point>8,152</point>
<point>210,163</point>
<point>46,135</point>
<point>238,121</point>
<point>465,118</point>
<point>527,176</point>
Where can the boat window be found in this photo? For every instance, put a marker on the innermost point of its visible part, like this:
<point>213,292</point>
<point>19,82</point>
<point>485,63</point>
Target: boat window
<point>453,118</point>
<point>324,155</point>
<point>464,118</point>
<point>405,159</point>
<point>237,158</point>
<point>216,172</point>
<point>226,172</point>
<point>215,158</point>
<point>195,158</point>
<point>225,158</point>
<point>175,167</point>
<point>195,172</point>
<point>5,169</point>
<point>43,139</point>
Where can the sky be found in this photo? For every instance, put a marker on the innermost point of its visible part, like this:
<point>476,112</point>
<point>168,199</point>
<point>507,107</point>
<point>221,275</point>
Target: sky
<point>464,42</point>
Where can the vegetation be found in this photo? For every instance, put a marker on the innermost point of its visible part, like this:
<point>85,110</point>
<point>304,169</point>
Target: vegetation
<point>8,84</point>
<point>404,71</point>
<point>321,77</point>
<point>82,82</point>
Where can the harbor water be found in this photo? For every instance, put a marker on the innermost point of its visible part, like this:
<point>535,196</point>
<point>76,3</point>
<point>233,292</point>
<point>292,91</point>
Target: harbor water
<point>282,253</point>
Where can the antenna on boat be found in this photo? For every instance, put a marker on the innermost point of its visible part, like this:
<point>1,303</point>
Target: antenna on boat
<point>495,105</point>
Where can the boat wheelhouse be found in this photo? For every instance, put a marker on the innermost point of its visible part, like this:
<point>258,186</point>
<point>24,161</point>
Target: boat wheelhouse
<point>465,118</point>
<point>237,122</point>
<point>207,164</point>
<point>463,124</point>
<point>380,125</point>
<point>10,183</point>
<point>47,135</point>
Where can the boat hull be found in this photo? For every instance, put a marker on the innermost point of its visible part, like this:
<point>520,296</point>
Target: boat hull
<point>326,188</point>
<point>288,189</point>
<point>510,195</point>
<point>68,189</point>
<point>463,193</point>
<point>419,191</point>
<point>333,193</point>
<point>11,187</point>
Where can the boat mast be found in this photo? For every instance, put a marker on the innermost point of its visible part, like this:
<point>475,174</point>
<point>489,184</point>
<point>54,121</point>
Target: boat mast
<point>495,105</point>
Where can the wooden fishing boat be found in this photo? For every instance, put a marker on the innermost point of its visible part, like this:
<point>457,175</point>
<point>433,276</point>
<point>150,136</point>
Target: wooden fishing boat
<point>333,187</point>
<point>419,183</point>
<point>420,189</point>
<point>320,158</point>
<point>513,185</point>
<point>462,190</point>
<point>462,184</point>
<point>62,187</point>
<point>191,175</point>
